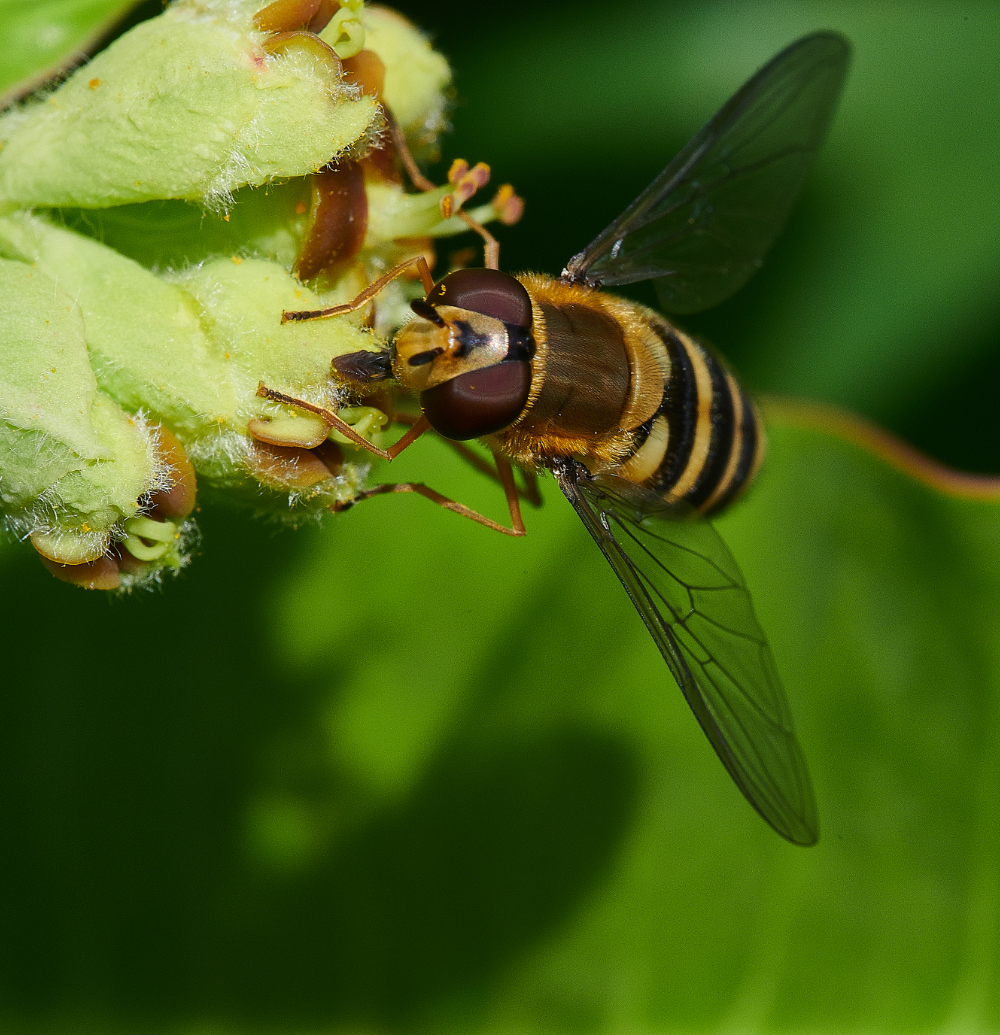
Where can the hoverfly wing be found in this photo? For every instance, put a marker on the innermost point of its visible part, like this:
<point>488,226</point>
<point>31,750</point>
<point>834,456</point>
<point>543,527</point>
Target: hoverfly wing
<point>702,227</point>
<point>689,591</point>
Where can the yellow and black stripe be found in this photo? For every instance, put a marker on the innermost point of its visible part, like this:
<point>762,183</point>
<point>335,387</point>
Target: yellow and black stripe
<point>714,439</point>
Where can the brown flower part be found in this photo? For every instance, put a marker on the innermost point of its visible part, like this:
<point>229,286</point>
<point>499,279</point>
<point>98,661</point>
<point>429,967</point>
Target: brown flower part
<point>287,467</point>
<point>179,500</point>
<point>367,70</point>
<point>100,574</point>
<point>338,221</point>
<point>288,15</point>
<point>135,555</point>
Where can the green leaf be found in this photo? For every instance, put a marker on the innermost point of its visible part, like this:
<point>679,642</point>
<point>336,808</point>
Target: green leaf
<point>42,35</point>
<point>186,105</point>
<point>471,797</point>
<point>398,774</point>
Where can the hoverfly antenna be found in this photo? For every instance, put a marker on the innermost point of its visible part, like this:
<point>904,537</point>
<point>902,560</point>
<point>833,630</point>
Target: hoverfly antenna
<point>424,308</point>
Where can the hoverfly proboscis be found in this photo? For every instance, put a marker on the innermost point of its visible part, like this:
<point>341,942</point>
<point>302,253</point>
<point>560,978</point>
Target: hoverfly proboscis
<point>642,427</point>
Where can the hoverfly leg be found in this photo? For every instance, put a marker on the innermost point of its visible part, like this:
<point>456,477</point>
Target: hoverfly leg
<point>530,490</point>
<point>417,178</point>
<point>531,493</point>
<point>506,477</point>
<point>419,262</point>
<point>411,436</point>
<point>338,424</point>
<point>506,473</point>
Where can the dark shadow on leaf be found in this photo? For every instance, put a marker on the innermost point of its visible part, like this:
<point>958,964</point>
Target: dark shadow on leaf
<point>133,738</point>
<point>495,848</point>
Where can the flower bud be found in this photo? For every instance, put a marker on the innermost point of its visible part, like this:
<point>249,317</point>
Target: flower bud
<point>156,208</point>
<point>186,105</point>
<point>75,468</point>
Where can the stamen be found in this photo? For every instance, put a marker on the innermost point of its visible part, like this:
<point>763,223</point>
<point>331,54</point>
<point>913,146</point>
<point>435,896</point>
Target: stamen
<point>467,181</point>
<point>507,205</point>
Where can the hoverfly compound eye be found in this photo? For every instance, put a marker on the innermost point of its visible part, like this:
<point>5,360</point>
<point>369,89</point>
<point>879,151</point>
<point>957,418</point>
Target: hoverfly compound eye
<point>489,292</point>
<point>479,402</point>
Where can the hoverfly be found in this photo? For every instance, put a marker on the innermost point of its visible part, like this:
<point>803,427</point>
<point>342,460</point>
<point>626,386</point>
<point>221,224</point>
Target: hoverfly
<point>642,427</point>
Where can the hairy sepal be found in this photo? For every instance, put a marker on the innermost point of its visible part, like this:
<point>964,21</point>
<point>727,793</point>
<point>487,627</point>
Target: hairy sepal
<point>185,105</point>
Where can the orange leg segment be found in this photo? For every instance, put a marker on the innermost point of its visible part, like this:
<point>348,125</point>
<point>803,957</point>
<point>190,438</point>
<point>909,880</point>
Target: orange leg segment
<point>506,478</point>
<point>505,472</point>
<point>530,490</point>
<point>345,429</point>
<point>417,262</point>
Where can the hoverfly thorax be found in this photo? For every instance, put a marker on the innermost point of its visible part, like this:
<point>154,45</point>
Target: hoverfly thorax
<point>468,353</point>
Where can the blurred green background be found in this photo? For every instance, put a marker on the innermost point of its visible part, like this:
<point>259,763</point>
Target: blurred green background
<point>399,774</point>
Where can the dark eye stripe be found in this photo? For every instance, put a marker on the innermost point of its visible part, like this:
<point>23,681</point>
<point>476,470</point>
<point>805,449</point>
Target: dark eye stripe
<point>422,358</point>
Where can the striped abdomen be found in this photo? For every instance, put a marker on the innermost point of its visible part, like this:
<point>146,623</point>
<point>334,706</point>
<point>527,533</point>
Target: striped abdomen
<point>617,387</point>
<point>705,442</point>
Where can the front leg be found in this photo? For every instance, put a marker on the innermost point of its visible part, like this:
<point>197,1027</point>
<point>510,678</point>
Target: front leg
<point>337,423</point>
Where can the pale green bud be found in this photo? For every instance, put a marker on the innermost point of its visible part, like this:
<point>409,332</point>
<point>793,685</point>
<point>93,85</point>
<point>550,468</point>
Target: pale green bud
<point>416,75</point>
<point>186,105</point>
<point>75,466</point>
<point>138,326</point>
<point>192,349</point>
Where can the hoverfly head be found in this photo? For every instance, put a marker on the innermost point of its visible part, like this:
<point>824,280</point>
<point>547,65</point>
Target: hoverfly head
<point>468,353</point>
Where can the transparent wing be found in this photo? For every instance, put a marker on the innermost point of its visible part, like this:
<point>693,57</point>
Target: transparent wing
<point>702,227</point>
<point>690,593</point>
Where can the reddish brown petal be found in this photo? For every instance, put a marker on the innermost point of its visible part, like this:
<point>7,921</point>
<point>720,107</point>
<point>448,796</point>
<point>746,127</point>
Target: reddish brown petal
<point>365,69</point>
<point>287,467</point>
<point>331,456</point>
<point>285,15</point>
<point>380,164</point>
<point>100,574</point>
<point>178,501</point>
<point>338,220</point>
<point>324,12</point>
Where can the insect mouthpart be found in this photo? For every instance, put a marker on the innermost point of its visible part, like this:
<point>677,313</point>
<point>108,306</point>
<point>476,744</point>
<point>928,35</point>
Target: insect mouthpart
<point>363,368</point>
